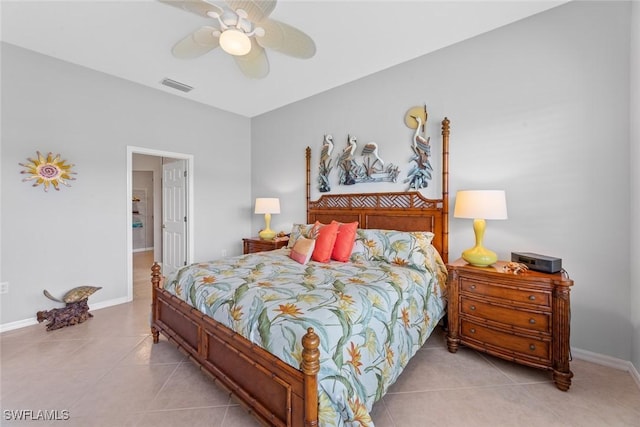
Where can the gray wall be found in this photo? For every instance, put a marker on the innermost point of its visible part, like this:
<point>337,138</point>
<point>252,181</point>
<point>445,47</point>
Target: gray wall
<point>77,236</point>
<point>539,108</point>
<point>635,183</point>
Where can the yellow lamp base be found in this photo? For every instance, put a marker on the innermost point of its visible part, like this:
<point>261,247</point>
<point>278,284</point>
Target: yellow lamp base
<point>479,256</point>
<point>267,234</point>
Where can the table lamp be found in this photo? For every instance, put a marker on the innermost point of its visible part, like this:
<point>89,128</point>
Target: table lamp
<point>267,206</point>
<point>480,205</point>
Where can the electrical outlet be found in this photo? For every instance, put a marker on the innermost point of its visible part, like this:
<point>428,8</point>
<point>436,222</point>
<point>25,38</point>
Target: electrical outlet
<point>224,252</point>
<point>4,288</point>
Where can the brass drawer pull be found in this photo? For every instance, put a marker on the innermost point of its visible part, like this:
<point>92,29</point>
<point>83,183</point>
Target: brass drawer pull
<point>532,321</point>
<point>472,330</point>
<point>473,307</point>
<point>532,347</point>
<point>532,297</point>
<point>472,287</point>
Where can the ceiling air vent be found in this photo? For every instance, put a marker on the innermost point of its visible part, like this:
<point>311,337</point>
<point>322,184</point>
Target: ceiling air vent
<point>176,85</point>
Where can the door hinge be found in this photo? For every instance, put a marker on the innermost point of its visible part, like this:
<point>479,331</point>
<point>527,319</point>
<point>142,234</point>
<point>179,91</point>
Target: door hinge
<point>185,174</point>
<point>185,219</point>
<point>185,263</point>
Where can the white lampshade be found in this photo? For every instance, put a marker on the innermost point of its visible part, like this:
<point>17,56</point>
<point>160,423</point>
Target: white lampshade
<point>267,205</point>
<point>481,204</point>
<point>235,42</point>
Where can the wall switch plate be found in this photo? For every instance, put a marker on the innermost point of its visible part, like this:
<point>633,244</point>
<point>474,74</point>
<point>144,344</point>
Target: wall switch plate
<point>4,287</point>
<point>224,252</point>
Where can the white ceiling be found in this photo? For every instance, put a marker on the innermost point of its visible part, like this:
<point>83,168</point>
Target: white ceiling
<point>132,39</point>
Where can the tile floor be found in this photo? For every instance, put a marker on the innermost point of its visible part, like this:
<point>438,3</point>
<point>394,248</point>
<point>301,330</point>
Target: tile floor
<point>107,372</point>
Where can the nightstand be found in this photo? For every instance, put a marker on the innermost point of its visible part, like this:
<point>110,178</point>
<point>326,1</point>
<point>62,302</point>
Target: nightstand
<point>256,244</point>
<point>523,318</point>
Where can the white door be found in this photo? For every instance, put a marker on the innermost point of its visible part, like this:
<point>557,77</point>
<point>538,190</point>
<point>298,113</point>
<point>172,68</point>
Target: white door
<point>174,215</point>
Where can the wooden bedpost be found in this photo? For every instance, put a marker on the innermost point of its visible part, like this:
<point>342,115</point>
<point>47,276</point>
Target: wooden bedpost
<point>308,158</point>
<point>445,190</point>
<point>156,278</point>
<point>310,367</point>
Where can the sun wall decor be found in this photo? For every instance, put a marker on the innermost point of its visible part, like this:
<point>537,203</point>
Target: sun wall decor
<point>48,171</point>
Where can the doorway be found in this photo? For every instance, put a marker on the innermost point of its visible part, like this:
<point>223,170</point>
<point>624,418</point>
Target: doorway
<point>154,161</point>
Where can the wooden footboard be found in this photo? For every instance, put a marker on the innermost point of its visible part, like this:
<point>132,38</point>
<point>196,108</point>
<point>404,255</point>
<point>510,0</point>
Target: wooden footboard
<point>274,392</point>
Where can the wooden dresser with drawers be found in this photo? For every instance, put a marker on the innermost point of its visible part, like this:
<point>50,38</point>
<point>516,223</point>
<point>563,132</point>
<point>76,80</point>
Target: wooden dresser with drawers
<point>524,318</point>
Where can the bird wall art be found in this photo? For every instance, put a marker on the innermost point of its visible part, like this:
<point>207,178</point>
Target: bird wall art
<point>420,173</point>
<point>354,167</point>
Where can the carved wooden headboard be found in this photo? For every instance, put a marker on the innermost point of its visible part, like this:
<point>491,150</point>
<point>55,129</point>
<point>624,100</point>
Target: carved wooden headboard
<point>404,211</point>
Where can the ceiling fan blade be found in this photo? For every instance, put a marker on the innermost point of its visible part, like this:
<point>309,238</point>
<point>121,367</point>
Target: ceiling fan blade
<point>199,7</point>
<point>197,43</point>
<point>257,10</point>
<point>286,39</point>
<point>254,64</point>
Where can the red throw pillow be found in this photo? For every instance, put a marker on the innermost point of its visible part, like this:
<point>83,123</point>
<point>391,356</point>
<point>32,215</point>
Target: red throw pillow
<point>324,242</point>
<point>344,241</point>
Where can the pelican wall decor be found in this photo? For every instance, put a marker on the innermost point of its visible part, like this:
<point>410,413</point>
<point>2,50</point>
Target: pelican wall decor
<point>347,163</point>
<point>420,173</point>
<point>372,168</point>
<point>325,164</point>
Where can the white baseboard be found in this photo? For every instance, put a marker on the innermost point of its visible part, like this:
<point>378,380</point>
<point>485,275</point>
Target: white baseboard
<point>609,361</point>
<point>18,324</point>
<point>142,249</point>
<point>34,321</point>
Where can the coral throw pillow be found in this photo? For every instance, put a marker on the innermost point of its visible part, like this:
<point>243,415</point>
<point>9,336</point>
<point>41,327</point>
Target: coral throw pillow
<point>302,250</point>
<point>326,238</point>
<point>344,241</point>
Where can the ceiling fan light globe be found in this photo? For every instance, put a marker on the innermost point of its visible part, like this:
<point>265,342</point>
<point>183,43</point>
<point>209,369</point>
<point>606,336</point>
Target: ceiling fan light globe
<point>235,42</point>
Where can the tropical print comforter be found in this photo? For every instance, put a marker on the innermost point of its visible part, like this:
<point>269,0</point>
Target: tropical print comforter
<point>371,317</point>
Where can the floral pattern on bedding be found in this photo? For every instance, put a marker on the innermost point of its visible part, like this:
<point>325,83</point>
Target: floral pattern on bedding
<point>371,317</point>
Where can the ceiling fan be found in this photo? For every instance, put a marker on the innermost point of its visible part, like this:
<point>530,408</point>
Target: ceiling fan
<point>243,29</point>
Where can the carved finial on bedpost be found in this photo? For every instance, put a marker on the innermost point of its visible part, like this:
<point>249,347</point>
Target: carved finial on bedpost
<point>310,367</point>
<point>156,275</point>
<point>310,354</point>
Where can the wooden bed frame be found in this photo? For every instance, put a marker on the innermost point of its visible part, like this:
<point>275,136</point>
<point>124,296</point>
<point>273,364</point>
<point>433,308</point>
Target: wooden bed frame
<point>273,391</point>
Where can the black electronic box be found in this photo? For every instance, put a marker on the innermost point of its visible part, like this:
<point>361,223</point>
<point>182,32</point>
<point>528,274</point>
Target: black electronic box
<point>538,262</point>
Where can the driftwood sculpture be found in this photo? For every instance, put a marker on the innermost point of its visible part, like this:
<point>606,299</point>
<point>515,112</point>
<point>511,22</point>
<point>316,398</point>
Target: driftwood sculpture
<point>76,309</point>
<point>73,313</point>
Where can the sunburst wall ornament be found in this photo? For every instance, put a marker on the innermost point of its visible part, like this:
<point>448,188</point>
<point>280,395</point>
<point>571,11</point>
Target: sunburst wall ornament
<point>49,171</point>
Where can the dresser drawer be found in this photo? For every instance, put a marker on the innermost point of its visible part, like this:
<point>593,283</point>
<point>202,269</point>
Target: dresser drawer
<point>509,316</point>
<point>505,341</point>
<point>494,290</point>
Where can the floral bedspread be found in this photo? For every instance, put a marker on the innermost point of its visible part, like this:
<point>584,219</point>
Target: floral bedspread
<point>371,318</point>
